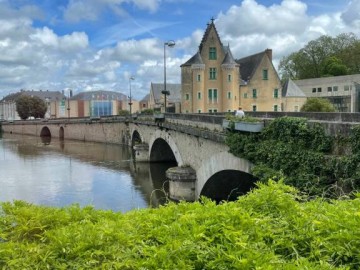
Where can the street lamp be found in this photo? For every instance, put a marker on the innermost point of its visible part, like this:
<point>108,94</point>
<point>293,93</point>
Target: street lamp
<point>170,44</point>
<point>130,102</point>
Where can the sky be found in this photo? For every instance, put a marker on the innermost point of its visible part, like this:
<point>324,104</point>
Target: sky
<point>87,45</point>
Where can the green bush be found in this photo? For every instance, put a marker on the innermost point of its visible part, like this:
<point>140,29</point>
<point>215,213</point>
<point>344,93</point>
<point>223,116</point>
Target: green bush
<point>272,227</point>
<point>301,153</point>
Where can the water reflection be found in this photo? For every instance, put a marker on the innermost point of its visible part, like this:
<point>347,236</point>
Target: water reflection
<point>59,173</point>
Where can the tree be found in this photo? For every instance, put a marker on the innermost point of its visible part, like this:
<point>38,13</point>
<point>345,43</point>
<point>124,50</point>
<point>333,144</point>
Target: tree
<point>313,61</point>
<point>27,106</point>
<point>39,107</point>
<point>333,66</point>
<point>317,105</point>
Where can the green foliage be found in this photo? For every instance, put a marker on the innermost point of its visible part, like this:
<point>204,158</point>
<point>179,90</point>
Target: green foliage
<point>323,57</point>
<point>317,105</point>
<point>147,112</point>
<point>334,67</point>
<point>247,119</point>
<point>292,149</point>
<point>27,106</point>
<point>123,112</point>
<point>272,227</point>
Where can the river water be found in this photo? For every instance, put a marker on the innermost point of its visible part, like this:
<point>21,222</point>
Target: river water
<point>59,173</point>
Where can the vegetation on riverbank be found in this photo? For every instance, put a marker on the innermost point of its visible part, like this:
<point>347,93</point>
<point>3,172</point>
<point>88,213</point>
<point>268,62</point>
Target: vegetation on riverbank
<point>273,227</point>
<point>303,155</point>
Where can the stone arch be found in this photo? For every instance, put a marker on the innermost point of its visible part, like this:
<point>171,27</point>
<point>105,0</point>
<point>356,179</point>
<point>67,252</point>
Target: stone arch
<point>163,139</point>
<point>224,169</point>
<point>45,132</point>
<point>228,185</point>
<point>136,138</point>
<point>61,133</point>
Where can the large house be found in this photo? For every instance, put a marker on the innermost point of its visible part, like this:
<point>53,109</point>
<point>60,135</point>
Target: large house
<point>214,81</point>
<point>8,103</point>
<point>157,99</point>
<point>342,91</point>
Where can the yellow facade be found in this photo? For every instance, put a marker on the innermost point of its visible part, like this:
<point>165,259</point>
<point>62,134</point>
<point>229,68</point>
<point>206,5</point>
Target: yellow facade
<point>213,81</point>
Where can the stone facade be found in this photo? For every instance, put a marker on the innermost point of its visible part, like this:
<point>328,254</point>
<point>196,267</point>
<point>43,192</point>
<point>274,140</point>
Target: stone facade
<point>214,81</point>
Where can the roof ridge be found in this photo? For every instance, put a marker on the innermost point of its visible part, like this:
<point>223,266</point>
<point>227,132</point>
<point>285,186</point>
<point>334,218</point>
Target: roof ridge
<point>207,31</point>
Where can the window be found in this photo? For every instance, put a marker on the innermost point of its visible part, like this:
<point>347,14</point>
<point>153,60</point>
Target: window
<point>212,53</point>
<point>210,110</point>
<point>254,93</point>
<point>187,111</point>
<point>229,95</point>
<point>215,95</point>
<point>276,93</point>
<point>212,95</point>
<point>199,111</point>
<point>199,95</point>
<point>187,96</point>
<point>245,95</point>
<point>229,78</point>
<point>335,88</point>
<point>215,110</point>
<point>212,74</point>
<point>314,90</point>
<point>296,108</point>
<point>347,87</point>
<point>265,74</point>
<point>329,88</point>
<point>229,110</point>
<point>275,108</point>
<point>254,108</point>
<point>198,77</point>
<point>319,89</point>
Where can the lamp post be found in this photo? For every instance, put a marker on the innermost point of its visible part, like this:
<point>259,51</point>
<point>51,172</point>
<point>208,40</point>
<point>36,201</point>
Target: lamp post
<point>170,44</point>
<point>130,99</point>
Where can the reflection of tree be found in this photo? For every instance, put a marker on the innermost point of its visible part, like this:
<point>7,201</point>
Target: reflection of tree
<point>26,150</point>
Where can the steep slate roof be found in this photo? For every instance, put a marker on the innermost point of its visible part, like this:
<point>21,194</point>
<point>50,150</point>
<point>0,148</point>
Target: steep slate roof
<point>101,94</point>
<point>44,95</point>
<point>249,64</point>
<point>146,98</point>
<point>196,59</point>
<point>173,88</point>
<point>228,59</point>
<point>290,89</point>
<point>207,31</point>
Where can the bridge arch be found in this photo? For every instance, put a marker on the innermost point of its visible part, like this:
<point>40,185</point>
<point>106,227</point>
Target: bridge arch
<point>136,138</point>
<point>162,144</point>
<point>45,132</point>
<point>228,185</point>
<point>224,177</point>
<point>61,133</point>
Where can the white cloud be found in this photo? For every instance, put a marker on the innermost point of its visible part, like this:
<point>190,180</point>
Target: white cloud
<point>90,10</point>
<point>34,55</point>
<point>351,15</point>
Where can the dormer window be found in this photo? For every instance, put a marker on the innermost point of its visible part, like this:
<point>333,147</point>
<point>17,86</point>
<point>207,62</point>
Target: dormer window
<point>212,53</point>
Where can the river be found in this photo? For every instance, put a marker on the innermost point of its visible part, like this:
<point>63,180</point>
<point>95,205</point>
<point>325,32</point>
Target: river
<point>59,173</point>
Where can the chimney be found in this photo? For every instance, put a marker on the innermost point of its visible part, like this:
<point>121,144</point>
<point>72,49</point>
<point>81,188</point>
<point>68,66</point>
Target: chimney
<point>269,53</point>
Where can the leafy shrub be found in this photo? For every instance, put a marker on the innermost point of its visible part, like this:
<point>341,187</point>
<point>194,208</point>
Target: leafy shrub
<point>273,227</point>
<point>301,153</point>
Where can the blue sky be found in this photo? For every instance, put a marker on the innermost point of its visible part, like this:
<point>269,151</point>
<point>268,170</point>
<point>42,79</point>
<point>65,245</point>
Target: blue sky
<point>98,44</point>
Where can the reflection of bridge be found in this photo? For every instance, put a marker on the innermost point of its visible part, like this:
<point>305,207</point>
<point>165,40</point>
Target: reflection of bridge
<point>194,142</point>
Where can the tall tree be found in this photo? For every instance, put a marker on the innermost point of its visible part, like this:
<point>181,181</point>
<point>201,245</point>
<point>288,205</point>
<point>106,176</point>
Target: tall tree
<point>316,58</point>
<point>27,106</point>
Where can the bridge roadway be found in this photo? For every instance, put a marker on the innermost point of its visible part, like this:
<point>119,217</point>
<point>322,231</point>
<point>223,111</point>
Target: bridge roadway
<point>195,142</point>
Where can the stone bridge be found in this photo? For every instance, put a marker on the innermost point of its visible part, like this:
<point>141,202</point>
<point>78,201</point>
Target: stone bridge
<point>194,143</point>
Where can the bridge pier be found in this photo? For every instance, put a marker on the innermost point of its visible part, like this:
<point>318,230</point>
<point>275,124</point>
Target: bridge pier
<point>181,183</point>
<point>142,152</point>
